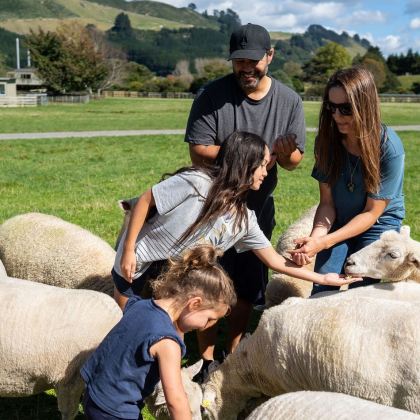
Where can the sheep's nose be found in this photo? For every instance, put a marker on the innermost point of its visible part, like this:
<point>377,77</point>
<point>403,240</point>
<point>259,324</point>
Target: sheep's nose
<point>349,262</point>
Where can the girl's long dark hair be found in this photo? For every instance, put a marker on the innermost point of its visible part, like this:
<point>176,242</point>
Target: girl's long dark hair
<point>232,177</point>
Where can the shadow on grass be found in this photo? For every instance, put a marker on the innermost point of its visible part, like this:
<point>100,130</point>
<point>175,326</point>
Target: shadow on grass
<point>37,407</point>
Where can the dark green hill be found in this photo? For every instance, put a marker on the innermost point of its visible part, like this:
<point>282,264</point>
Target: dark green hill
<point>161,10</point>
<point>26,9</point>
<point>8,48</point>
<point>301,47</point>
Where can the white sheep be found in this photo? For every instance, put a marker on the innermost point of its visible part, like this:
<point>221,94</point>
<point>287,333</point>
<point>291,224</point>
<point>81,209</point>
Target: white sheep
<point>3,273</point>
<point>281,286</point>
<point>310,405</point>
<point>47,249</point>
<point>393,257</point>
<point>367,347</point>
<point>46,334</point>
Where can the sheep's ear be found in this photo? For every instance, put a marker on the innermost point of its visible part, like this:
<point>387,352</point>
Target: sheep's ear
<point>414,259</point>
<point>192,370</point>
<point>405,231</point>
<point>159,396</point>
<point>124,205</point>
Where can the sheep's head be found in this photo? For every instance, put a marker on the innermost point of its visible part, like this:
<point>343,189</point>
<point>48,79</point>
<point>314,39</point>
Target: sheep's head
<point>156,402</point>
<point>126,206</point>
<point>393,257</point>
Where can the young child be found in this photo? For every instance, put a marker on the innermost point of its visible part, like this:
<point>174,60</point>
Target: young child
<point>201,205</point>
<point>146,344</point>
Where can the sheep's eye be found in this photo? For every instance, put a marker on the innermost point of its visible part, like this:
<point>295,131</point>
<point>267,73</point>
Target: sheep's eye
<point>394,254</point>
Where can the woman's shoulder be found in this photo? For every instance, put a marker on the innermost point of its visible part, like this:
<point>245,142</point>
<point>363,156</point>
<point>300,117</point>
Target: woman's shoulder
<point>391,144</point>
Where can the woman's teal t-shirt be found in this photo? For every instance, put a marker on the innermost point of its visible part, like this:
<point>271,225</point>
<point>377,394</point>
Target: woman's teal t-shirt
<point>350,203</point>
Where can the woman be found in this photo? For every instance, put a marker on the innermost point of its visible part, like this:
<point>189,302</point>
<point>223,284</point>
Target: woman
<point>359,163</point>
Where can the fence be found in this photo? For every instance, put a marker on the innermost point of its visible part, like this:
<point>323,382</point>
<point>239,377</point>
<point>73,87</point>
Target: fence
<point>69,99</point>
<point>133,94</point>
<point>16,101</point>
<point>384,97</point>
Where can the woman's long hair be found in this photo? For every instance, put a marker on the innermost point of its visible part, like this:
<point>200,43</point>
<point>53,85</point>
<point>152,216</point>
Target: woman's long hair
<point>359,85</point>
<point>232,177</point>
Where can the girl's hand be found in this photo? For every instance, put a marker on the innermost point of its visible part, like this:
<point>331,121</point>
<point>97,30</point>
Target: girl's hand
<point>334,279</point>
<point>300,258</point>
<point>128,265</point>
<point>309,245</point>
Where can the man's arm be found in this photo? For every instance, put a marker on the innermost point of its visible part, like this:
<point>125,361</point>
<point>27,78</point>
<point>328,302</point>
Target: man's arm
<point>201,154</point>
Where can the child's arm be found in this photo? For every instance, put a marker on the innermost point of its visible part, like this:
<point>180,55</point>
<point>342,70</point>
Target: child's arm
<point>278,263</point>
<point>137,219</point>
<point>168,354</point>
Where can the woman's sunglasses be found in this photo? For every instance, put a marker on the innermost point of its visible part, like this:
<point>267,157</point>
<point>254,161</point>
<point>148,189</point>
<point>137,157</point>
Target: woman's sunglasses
<point>344,108</point>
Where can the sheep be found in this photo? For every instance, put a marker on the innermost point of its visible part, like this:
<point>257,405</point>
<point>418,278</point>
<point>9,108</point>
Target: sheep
<point>281,286</point>
<point>310,405</point>
<point>47,249</point>
<point>367,347</point>
<point>403,291</point>
<point>3,273</point>
<point>125,205</point>
<point>393,257</point>
<point>156,402</point>
<point>46,334</point>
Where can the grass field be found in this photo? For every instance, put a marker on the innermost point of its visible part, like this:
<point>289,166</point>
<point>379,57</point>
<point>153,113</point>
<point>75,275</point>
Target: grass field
<point>81,179</point>
<point>136,114</point>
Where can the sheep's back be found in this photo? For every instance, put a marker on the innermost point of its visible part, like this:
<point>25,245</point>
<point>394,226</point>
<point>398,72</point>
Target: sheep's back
<point>49,250</point>
<point>46,333</point>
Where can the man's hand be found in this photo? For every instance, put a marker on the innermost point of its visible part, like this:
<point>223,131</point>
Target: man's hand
<point>286,151</point>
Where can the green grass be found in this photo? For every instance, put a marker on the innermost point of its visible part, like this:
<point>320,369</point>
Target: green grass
<point>143,113</point>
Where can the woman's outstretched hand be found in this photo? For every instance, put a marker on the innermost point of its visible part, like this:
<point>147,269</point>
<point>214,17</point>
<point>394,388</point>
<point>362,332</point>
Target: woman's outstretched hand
<point>308,245</point>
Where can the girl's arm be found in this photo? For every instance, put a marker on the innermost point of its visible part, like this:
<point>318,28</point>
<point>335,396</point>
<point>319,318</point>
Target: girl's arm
<point>323,220</point>
<point>137,219</point>
<point>278,263</point>
<point>320,238</point>
<point>168,354</point>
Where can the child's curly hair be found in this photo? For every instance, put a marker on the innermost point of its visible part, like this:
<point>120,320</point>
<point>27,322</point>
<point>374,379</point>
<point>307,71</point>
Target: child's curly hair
<point>196,272</point>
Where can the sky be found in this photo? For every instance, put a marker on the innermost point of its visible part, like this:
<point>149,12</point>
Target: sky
<point>392,25</point>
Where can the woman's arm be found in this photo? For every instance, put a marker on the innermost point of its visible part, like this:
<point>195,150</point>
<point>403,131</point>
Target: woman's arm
<point>278,263</point>
<point>137,219</point>
<point>168,354</point>
<point>320,238</point>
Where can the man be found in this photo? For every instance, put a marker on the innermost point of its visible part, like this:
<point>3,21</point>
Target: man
<point>247,100</point>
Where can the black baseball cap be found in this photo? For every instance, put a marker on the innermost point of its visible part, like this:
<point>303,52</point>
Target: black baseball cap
<point>250,42</point>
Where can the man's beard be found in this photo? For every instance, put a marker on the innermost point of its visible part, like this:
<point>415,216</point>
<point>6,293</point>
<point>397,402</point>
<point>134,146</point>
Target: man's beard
<point>250,85</point>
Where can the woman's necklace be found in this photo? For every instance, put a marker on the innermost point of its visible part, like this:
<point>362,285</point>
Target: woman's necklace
<point>352,169</point>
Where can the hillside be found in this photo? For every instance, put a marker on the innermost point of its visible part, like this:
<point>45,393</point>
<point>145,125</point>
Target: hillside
<point>22,15</point>
<point>161,10</point>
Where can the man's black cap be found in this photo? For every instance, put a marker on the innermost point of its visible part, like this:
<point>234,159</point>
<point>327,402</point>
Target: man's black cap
<point>250,42</point>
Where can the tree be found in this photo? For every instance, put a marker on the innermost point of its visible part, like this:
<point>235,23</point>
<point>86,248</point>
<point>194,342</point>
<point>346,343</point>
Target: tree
<point>192,6</point>
<point>327,60</point>
<point>122,26</point>
<point>66,60</point>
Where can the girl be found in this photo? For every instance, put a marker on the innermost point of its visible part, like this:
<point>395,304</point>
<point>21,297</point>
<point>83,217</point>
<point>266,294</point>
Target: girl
<point>360,168</point>
<point>201,205</point>
<point>146,344</point>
